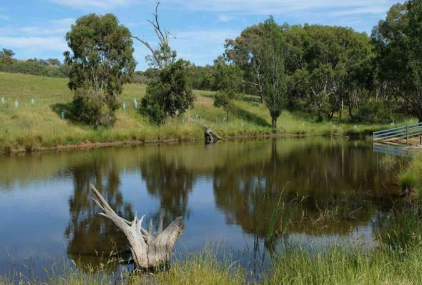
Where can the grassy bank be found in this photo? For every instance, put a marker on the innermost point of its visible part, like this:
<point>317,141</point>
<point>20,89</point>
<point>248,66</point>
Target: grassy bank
<point>397,260</point>
<point>37,126</point>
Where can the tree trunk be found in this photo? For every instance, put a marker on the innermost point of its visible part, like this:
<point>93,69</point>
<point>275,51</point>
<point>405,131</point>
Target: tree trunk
<point>274,122</point>
<point>149,249</point>
<point>351,113</point>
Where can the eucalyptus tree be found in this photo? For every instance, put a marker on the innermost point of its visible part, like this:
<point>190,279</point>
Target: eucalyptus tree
<point>6,56</point>
<point>100,63</point>
<point>274,87</point>
<point>329,67</point>
<point>246,52</point>
<point>228,81</point>
<point>399,47</point>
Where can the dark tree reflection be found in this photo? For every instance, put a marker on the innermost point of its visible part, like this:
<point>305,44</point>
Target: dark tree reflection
<point>171,182</point>
<point>271,189</point>
<point>325,189</point>
<point>91,235</point>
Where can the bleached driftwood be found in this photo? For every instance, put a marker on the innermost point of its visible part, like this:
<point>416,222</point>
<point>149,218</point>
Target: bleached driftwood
<point>149,249</point>
<point>210,136</point>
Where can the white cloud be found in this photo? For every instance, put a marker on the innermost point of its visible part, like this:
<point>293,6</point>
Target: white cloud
<point>200,46</point>
<point>199,37</point>
<point>46,43</point>
<point>275,7</point>
<point>52,27</point>
<point>361,10</point>
<point>4,17</point>
<point>33,31</point>
<point>224,18</point>
<point>48,36</point>
<point>256,7</point>
<point>89,4</point>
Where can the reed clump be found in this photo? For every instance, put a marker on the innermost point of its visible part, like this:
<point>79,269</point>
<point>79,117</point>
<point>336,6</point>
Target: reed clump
<point>410,177</point>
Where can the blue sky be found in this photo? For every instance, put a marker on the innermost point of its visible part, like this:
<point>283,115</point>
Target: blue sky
<point>36,28</point>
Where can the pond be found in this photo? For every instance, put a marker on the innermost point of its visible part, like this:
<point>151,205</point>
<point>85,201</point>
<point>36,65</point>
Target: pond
<point>330,191</point>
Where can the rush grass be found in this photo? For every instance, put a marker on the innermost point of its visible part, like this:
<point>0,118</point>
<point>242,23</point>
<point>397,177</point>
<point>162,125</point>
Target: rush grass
<point>410,177</point>
<point>35,126</point>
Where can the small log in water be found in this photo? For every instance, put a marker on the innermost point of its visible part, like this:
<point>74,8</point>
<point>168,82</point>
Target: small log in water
<point>149,249</point>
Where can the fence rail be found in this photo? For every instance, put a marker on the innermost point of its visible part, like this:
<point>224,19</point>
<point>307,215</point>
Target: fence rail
<point>400,133</point>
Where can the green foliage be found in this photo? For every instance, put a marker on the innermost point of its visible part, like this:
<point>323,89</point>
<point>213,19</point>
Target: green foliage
<point>245,52</point>
<point>34,68</point>
<point>161,57</point>
<point>329,68</point>
<point>272,69</point>
<point>169,95</point>
<point>202,77</point>
<point>410,178</point>
<point>6,56</point>
<point>51,67</point>
<point>375,111</point>
<point>100,63</point>
<point>325,67</point>
<point>228,80</point>
<point>6,53</point>
<point>94,108</point>
<point>397,39</point>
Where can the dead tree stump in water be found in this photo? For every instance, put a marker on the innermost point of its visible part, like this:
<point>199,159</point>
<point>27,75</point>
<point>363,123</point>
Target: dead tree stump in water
<point>211,137</point>
<point>149,250</point>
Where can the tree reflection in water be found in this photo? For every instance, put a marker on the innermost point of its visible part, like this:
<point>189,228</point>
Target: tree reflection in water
<point>326,189</point>
<point>171,182</point>
<point>90,235</point>
<point>304,187</point>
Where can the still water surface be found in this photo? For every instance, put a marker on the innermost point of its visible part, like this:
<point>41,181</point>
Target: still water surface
<point>226,194</point>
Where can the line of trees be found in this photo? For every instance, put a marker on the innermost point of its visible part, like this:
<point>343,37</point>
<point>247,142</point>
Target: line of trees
<point>325,71</point>
<point>51,67</point>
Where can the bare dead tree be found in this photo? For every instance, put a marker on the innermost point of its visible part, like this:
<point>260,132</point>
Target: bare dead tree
<point>149,249</point>
<point>163,56</point>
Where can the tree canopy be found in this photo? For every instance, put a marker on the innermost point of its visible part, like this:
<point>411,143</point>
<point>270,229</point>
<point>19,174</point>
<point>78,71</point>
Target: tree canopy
<point>102,54</point>
<point>399,47</point>
<point>228,80</point>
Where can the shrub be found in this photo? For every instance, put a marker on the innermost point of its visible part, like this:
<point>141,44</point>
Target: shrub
<point>372,112</point>
<point>169,95</point>
<point>94,108</point>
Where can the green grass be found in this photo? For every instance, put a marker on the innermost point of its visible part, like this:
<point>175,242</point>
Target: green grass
<point>31,127</point>
<point>410,177</point>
